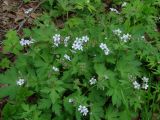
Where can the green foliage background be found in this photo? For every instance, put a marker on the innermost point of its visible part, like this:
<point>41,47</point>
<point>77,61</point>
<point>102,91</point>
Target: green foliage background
<point>46,93</point>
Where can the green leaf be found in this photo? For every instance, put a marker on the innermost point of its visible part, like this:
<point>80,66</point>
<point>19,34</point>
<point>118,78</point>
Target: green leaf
<point>111,113</point>
<point>8,91</point>
<point>68,106</point>
<point>97,111</point>
<point>44,104</point>
<point>51,2</point>
<point>114,90</point>
<point>9,77</point>
<point>100,69</point>
<point>4,63</point>
<point>11,43</point>
<point>54,96</point>
<point>25,107</point>
<point>57,108</point>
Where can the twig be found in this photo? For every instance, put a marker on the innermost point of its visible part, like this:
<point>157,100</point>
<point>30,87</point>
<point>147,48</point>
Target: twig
<point>20,5</point>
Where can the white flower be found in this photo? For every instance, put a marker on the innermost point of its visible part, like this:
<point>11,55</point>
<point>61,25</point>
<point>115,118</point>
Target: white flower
<point>145,86</point>
<point>125,37</point>
<point>85,39</point>
<point>55,69</point>
<point>145,79</point>
<point>88,1</point>
<point>117,32</point>
<point>70,100</point>
<point>78,44</point>
<point>106,77</point>
<point>136,85</point>
<point>92,81</point>
<point>104,48</point>
<point>143,37</point>
<point>20,82</point>
<point>67,57</point>
<point>114,10</point>
<point>132,78</point>
<point>27,11</point>
<point>56,39</point>
<point>66,41</point>
<point>83,110</point>
<point>24,42</point>
<point>124,4</point>
<point>106,52</point>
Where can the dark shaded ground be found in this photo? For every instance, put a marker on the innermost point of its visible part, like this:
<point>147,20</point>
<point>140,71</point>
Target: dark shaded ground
<point>12,15</point>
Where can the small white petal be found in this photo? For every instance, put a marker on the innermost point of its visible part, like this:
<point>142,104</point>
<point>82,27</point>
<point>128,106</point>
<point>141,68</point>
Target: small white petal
<point>92,81</point>
<point>124,4</point>
<point>70,100</point>
<point>20,82</point>
<point>83,110</point>
<point>104,48</point>
<point>145,86</point>
<point>56,39</point>
<point>67,57</point>
<point>136,85</point>
<point>145,79</point>
<point>28,11</point>
<point>114,10</point>
<point>117,32</point>
<point>55,69</point>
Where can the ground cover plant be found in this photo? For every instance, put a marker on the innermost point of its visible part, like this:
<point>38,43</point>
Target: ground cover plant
<point>84,60</point>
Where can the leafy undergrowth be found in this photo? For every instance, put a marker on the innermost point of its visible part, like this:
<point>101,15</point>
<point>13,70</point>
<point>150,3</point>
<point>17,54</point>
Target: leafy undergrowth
<point>84,59</point>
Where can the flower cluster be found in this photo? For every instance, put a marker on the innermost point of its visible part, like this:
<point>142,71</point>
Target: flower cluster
<point>114,10</point>
<point>136,85</point>
<point>104,48</point>
<point>66,41</point>
<point>92,81</point>
<point>24,42</point>
<point>123,37</point>
<point>20,82</point>
<point>83,110</point>
<point>117,32</point>
<point>145,83</point>
<point>27,11</point>
<point>67,57</point>
<point>56,39</point>
<point>55,69</point>
<point>79,42</point>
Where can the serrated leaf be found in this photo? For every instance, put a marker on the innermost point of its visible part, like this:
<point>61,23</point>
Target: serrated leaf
<point>11,43</point>
<point>4,63</point>
<point>68,106</point>
<point>44,103</point>
<point>8,91</point>
<point>97,112</point>
<point>57,108</point>
<point>111,114</point>
<point>100,69</point>
<point>54,96</point>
